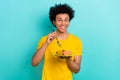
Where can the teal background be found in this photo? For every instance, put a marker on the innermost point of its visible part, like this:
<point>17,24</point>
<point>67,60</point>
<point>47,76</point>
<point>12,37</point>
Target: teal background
<point>96,22</point>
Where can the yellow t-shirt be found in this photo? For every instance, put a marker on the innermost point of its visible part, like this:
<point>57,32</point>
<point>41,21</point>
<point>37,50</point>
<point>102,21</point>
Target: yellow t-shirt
<point>55,68</point>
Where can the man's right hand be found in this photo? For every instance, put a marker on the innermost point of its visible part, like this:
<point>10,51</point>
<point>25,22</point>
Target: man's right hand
<point>51,37</point>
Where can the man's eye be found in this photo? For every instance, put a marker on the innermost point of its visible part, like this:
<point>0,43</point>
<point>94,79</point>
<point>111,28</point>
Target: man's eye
<point>66,20</point>
<point>59,20</point>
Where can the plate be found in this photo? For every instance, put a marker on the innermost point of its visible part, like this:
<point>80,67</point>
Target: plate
<point>63,57</point>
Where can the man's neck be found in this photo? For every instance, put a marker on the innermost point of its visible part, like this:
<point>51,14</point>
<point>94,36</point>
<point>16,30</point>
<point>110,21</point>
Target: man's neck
<point>62,36</point>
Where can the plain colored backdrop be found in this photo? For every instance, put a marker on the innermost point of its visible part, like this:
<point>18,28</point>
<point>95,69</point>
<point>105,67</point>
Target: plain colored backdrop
<point>96,22</point>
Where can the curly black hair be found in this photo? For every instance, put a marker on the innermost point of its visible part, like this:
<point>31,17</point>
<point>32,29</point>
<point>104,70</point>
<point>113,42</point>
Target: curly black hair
<point>60,8</point>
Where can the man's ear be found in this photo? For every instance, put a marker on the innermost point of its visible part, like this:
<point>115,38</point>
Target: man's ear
<point>53,22</point>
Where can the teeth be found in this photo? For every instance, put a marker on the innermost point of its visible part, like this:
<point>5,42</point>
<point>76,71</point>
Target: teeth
<point>62,27</point>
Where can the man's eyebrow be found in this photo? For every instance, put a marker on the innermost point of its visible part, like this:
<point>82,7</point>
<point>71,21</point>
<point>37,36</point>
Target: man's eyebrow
<point>61,18</point>
<point>66,18</point>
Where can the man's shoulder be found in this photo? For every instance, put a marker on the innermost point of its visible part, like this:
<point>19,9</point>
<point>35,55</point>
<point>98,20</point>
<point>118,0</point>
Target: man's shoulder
<point>43,38</point>
<point>74,37</point>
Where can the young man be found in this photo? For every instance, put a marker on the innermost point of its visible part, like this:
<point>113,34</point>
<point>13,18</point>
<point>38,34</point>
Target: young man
<point>61,50</point>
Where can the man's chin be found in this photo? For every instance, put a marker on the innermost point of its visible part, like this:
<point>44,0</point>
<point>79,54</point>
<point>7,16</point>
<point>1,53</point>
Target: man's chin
<point>62,31</point>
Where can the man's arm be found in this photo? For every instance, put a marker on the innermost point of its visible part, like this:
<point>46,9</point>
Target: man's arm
<point>74,65</point>
<point>40,52</point>
<point>39,55</point>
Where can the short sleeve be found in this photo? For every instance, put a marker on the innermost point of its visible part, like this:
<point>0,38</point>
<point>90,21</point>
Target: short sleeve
<point>79,48</point>
<point>41,42</point>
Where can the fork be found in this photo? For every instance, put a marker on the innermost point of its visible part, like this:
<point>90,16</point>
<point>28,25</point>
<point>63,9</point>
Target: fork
<point>58,43</point>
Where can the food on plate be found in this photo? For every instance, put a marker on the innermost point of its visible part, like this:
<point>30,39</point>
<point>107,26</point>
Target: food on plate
<point>64,54</point>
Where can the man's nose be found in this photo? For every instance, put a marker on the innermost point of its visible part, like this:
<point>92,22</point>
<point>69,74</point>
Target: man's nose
<point>63,22</point>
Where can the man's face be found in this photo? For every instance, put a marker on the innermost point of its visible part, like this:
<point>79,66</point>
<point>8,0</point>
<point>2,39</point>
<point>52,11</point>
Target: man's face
<point>61,22</point>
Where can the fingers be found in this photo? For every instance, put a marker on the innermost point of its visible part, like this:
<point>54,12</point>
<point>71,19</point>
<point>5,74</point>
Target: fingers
<point>52,35</point>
